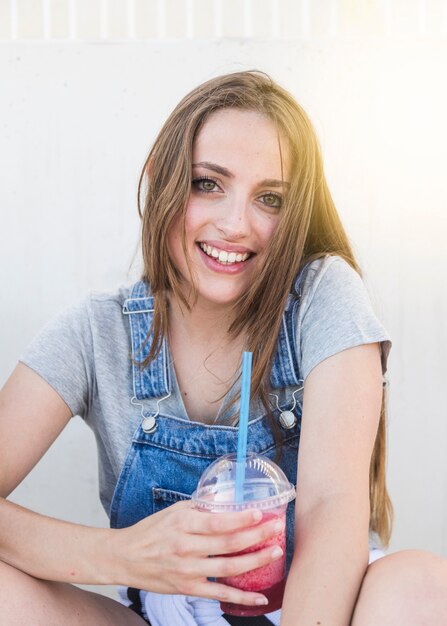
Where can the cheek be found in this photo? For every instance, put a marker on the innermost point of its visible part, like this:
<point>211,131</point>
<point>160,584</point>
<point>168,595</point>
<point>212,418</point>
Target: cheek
<point>269,227</point>
<point>174,240</point>
<point>193,220</point>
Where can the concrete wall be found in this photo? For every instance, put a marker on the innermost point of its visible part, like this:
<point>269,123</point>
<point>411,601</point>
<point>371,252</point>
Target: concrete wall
<point>79,115</point>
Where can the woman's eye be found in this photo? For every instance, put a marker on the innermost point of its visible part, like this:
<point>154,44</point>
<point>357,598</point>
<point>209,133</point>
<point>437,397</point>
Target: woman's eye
<point>204,184</point>
<point>272,200</point>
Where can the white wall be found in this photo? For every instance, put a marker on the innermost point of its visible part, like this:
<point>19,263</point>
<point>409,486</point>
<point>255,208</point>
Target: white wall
<point>77,121</point>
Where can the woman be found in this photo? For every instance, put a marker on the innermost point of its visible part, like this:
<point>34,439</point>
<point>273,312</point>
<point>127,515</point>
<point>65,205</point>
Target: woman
<point>243,249</point>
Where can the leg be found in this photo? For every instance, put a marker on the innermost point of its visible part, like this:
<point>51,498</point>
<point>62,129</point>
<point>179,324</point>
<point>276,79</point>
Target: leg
<point>408,587</point>
<point>28,600</point>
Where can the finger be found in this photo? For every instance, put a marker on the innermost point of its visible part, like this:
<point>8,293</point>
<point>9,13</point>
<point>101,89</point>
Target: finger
<point>247,539</point>
<point>204,523</point>
<point>223,593</point>
<point>231,543</point>
<point>226,566</point>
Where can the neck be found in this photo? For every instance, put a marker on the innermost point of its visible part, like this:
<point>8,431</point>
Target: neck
<point>203,322</point>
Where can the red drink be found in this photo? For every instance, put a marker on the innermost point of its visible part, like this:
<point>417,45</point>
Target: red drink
<point>268,579</point>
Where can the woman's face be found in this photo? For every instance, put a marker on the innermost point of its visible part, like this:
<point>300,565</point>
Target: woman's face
<point>237,190</point>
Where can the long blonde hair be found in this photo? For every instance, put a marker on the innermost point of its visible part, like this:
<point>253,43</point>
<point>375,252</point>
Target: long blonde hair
<point>309,228</point>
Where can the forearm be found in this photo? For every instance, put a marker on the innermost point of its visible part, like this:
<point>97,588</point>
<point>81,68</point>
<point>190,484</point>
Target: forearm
<point>331,557</point>
<point>52,549</point>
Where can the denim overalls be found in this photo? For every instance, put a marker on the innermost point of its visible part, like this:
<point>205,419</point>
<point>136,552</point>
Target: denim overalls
<point>163,466</point>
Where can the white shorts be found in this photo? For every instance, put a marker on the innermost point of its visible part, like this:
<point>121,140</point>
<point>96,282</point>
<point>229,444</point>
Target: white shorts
<point>374,554</point>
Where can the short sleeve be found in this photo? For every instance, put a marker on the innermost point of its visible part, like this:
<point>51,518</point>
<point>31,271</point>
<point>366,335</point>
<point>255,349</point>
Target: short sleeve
<point>62,354</point>
<point>336,314</point>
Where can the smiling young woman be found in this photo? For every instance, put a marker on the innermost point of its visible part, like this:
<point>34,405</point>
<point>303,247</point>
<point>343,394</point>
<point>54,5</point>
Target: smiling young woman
<point>243,250</point>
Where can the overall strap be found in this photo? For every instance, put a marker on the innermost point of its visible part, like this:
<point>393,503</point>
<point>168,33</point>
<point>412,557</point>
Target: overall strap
<point>285,371</point>
<point>151,381</point>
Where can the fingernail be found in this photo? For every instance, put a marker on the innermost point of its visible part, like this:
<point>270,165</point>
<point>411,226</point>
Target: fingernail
<point>257,516</point>
<point>263,601</point>
<point>277,552</point>
<point>278,527</point>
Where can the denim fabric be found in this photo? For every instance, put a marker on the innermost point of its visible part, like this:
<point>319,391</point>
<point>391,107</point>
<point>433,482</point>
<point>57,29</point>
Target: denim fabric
<point>164,466</point>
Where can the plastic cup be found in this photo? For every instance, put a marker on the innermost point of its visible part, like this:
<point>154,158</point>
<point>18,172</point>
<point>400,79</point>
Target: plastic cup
<point>267,489</point>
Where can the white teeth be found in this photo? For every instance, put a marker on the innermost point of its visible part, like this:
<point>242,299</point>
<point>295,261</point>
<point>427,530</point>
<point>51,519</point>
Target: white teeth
<point>226,258</point>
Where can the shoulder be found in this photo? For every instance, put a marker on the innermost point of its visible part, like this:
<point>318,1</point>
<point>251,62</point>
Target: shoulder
<point>113,299</point>
<point>78,323</point>
<point>327,275</point>
<point>84,341</point>
<point>103,307</point>
<point>335,313</point>
<point>330,286</point>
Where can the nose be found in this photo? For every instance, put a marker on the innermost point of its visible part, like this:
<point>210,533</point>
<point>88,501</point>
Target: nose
<point>234,219</point>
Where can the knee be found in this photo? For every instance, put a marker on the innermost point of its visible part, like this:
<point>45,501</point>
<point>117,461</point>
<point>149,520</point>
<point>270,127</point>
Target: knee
<point>408,587</point>
<point>411,573</point>
<point>11,579</point>
<point>20,595</point>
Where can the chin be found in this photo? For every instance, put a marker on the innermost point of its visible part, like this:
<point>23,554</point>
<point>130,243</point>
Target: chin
<point>220,297</point>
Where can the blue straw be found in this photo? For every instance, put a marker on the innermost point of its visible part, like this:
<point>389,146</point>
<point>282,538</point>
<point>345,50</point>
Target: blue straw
<point>243,426</point>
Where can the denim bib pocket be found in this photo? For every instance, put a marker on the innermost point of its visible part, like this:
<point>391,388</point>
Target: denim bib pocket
<point>163,498</point>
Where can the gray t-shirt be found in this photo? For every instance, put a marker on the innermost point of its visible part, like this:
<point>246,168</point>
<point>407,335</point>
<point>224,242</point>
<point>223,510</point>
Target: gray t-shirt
<point>85,355</point>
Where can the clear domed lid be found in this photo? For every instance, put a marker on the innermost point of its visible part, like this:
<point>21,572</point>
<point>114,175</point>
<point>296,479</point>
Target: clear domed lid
<point>265,485</point>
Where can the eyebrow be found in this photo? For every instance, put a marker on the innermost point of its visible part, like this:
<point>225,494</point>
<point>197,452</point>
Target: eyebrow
<point>219,169</point>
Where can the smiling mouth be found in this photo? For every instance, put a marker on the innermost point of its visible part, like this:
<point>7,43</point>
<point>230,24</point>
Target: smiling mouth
<point>224,257</point>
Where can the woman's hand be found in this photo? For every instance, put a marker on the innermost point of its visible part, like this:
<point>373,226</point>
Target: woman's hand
<point>169,552</point>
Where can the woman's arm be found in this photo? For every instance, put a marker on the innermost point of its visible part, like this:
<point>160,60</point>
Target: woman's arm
<point>32,415</point>
<point>341,409</point>
<point>167,552</point>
